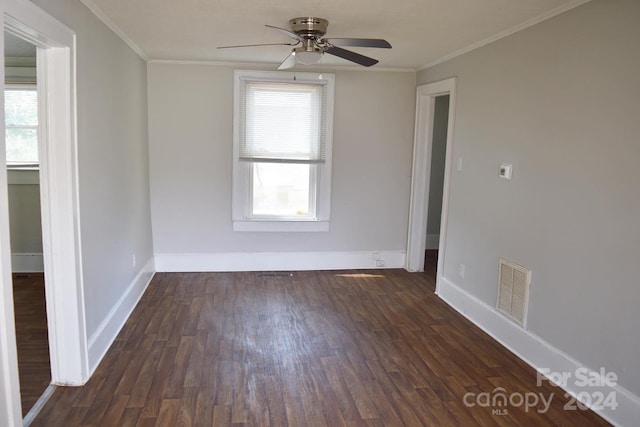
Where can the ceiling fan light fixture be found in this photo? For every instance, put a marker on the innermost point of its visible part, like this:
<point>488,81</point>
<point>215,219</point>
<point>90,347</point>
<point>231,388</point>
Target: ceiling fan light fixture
<point>307,57</point>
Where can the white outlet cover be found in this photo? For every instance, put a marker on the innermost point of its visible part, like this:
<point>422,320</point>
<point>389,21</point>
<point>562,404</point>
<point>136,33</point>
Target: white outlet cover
<point>505,171</point>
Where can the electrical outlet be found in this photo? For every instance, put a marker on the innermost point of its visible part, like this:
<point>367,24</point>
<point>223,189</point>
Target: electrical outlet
<point>462,269</point>
<point>379,263</point>
<point>505,171</point>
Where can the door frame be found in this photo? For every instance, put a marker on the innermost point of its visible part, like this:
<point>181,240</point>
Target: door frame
<point>57,135</point>
<point>420,177</point>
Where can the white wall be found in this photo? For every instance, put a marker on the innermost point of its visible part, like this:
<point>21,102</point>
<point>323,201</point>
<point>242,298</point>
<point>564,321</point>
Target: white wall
<point>561,102</point>
<point>190,131</point>
<point>24,211</point>
<point>113,161</point>
<point>24,220</point>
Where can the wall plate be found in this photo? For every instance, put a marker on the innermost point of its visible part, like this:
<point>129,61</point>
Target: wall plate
<point>505,171</point>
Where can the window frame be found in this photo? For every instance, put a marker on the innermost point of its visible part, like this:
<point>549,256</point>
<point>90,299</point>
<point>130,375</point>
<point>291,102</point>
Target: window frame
<point>320,173</point>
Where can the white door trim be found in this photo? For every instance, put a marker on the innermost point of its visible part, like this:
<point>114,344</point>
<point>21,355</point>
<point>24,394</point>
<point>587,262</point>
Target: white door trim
<point>423,141</point>
<point>60,214</point>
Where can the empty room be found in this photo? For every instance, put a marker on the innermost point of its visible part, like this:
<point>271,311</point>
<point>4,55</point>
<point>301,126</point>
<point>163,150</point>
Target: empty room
<point>283,213</point>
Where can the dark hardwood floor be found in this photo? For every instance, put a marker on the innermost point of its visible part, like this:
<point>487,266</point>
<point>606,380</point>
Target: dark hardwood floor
<point>32,337</point>
<point>333,348</point>
<point>431,267</point>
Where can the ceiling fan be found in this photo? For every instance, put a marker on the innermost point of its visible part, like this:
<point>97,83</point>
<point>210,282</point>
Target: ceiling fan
<point>309,45</point>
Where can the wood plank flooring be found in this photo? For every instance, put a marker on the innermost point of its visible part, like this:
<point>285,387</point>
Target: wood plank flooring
<point>34,367</point>
<point>431,267</point>
<point>332,348</point>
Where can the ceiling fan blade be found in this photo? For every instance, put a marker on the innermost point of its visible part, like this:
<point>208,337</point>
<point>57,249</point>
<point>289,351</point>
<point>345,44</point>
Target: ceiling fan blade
<point>286,32</point>
<point>359,42</point>
<point>289,62</point>
<point>351,56</point>
<point>259,44</point>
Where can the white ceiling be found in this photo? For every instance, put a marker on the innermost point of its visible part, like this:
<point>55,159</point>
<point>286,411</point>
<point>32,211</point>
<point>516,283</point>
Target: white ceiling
<point>421,31</point>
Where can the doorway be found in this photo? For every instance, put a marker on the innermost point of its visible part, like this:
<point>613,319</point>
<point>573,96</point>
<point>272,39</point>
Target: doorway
<point>27,266</point>
<point>55,58</point>
<point>436,183</point>
<point>433,150</point>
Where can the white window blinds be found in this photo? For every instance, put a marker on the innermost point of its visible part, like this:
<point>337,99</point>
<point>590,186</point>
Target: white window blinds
<point>282,122</point>
<point>21,126</point>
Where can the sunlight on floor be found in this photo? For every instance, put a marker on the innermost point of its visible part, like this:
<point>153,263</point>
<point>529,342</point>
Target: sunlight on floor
<point>359,275</point>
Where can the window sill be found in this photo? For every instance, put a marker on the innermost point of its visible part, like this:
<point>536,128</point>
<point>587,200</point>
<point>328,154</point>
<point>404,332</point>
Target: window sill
<point>282,226</point>
<point>23,167</point>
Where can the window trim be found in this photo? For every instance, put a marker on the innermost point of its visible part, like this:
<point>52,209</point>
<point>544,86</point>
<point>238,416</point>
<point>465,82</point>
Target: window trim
<point>242,170</point>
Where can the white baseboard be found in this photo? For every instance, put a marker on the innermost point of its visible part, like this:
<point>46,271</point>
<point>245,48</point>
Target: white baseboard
<point>433,241</point>
<point>108,330</point>
<point>27,263</point>
<point>537,352</point>
<point>280,261</point>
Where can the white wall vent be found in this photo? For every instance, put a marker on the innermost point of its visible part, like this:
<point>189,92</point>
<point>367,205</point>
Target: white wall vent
<point>513,291</point>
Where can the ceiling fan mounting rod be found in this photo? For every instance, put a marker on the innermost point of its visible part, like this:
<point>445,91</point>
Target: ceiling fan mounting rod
<point>309,45</point>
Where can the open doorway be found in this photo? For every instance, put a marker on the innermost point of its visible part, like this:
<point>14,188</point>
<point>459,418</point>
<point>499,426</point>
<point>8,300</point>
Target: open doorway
<point>25,223</point>
<point>432,154</point>
<point>57,149</point>
<point>436,183</point>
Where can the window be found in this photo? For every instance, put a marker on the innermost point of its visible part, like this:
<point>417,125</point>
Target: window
<point>282,151</point>
<point>21,124</point>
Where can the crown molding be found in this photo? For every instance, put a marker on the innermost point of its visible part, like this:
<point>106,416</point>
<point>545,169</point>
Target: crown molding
<point>95,9</point>
<point>531,22</point>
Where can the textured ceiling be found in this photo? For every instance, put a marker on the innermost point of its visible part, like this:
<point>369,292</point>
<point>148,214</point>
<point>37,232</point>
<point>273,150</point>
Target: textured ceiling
<point>420,31</point>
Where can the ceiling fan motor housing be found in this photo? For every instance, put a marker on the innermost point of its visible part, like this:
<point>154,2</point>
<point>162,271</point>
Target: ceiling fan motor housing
<point>311,30</point>
<point>309,27</point>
